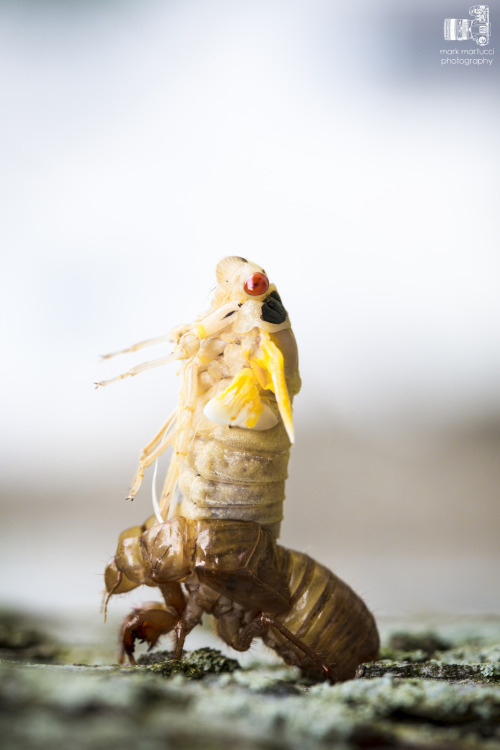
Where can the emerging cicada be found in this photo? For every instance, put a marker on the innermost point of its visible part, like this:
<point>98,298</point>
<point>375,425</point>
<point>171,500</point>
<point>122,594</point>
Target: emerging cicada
<point>211,547</point>
<point>232,428</point>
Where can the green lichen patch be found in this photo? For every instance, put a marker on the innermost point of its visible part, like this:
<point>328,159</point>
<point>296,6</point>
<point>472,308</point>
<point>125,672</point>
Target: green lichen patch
<point>414,657</point>
<point>264,706</point>
<point>212,660</point>
<point>44,706</point>
<point>471,654</point>
<point>194,665</point>
<point>434,658</point>
<point>432,670</point>
<point>171,667</point>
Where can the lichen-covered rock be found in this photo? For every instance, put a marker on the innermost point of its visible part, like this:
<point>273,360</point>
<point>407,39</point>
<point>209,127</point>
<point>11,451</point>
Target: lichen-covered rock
<point>450,702</point>
<point>432,670</point>
<point>193,666</point>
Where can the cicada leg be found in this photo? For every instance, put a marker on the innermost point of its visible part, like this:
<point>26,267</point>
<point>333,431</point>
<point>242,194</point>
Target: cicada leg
<point>149,621</point>
<point>158,555</point>
<point>159,436</point>
<point>177,430</point>
<point>138,369</point>
<point>191,617</point>
<point>116,582</point>
<point>140,345</point>
<point>163,506</point>
<point>315,656</point>
<point>181,437</point>
<point>240,636</point>
<point>202,599</point>
<point>148,459</point>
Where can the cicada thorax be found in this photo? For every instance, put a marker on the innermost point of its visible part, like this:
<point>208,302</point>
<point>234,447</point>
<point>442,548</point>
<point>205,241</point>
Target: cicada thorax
<point>326,615</point>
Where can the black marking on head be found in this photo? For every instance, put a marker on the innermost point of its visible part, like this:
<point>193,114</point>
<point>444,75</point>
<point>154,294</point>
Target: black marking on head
<point>273,310</point>
<point>228,315</point>
<point>244,260</point>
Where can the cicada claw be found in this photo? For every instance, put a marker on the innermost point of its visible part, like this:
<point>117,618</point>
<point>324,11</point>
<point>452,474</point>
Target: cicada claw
<point>146,623</point>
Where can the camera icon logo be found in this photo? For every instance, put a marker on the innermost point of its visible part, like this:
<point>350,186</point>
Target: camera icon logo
<point>477,28</point>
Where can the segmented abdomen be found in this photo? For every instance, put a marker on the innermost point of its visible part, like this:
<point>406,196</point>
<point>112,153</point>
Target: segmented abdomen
<point>327,615</point>
<point>236,474</point>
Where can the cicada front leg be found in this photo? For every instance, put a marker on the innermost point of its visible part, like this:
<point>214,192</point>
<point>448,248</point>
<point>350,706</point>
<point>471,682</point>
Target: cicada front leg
<point>176,431</point>
<point>201,599</point>
<point>149,621</point>
<point>160,555</point>
<point>143,367</point>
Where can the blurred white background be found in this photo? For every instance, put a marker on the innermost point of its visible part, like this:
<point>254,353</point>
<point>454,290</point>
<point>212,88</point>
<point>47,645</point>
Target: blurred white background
<point>141,143</point>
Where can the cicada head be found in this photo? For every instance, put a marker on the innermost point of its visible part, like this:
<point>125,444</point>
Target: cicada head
<point>242,281</point>
<point>263,326</point>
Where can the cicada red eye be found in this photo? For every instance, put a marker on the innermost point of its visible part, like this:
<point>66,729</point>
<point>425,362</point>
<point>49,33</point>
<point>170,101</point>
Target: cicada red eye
<point>256,284</point>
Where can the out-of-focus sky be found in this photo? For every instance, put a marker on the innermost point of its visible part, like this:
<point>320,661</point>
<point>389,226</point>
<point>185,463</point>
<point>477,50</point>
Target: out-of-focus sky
<point>332,144</point>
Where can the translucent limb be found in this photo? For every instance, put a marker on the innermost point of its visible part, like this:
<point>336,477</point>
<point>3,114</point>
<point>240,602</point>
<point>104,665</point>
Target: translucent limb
<point>178,424</point>
<point>156,505</point>
<point>189,395</point>
<point>215,320</point>
<point>138,369</point>
<point>168,489</point>
<point>150,459</point>
<point>159,435</point>
<point>140,345</point>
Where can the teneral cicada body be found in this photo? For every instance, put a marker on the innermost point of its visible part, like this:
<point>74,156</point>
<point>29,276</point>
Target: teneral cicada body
<point>211,545</point>
<point>232,429</point>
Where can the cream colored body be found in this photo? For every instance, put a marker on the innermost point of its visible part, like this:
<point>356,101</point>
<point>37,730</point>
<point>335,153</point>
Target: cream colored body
<point>232,429</point>
<point>232,472</point>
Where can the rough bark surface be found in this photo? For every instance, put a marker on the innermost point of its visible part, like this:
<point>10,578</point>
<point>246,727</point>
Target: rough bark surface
<point>437,686</point>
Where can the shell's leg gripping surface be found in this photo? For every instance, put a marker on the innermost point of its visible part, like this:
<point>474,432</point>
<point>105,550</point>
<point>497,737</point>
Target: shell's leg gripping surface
<point>315,656</point>
<point>159,556</point>
<point>240,636</point>
<point>236,560</point>
<point>146,623</point>
<point>191,617</point>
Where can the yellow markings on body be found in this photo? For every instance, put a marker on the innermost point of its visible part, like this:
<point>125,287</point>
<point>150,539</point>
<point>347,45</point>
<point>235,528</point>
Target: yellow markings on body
<point>240,402</point>
<point>201,331</point>
<point>269,370</point>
